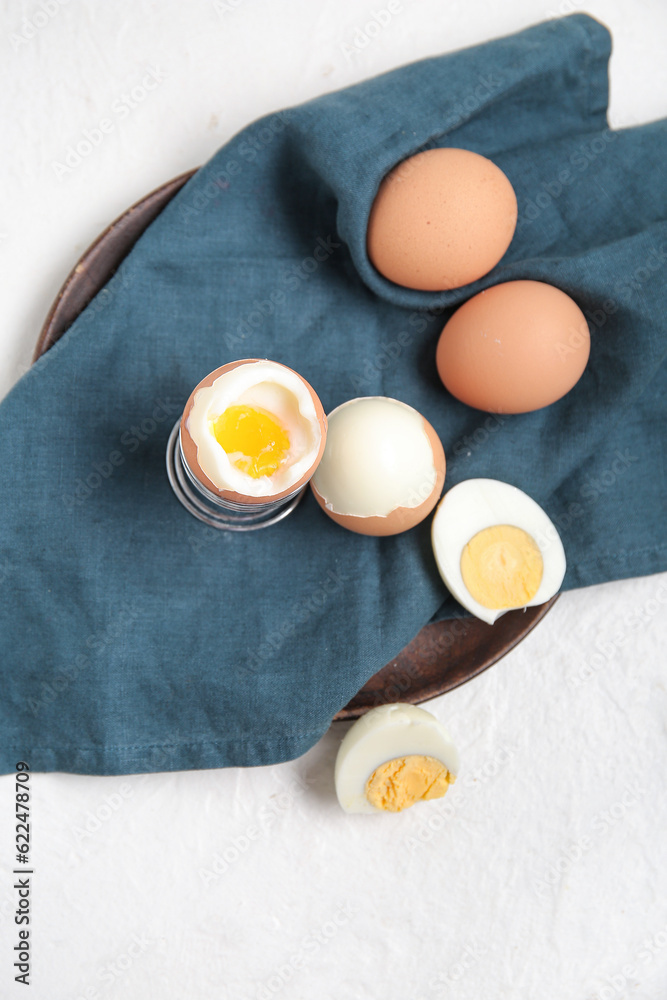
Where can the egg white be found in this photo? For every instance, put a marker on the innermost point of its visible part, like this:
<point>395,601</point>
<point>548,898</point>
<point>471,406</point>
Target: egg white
<point>274,388</point>
<point>476,504</point>
<point>383,734</point>
<point>378,457</point>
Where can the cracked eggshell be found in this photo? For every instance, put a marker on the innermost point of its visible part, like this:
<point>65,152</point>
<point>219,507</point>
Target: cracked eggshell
<point>190,449</point>
<point>368,439</point>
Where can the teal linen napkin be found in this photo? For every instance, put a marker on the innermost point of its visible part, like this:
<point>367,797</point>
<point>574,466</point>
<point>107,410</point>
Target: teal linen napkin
<point>136,639</point>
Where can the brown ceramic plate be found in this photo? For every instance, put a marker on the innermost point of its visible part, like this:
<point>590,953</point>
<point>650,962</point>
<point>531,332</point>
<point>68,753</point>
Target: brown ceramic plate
<point>441,656</point>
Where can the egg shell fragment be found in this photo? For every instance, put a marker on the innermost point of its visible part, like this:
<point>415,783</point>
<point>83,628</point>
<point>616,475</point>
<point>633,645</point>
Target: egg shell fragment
<point>382,734</point>
<point>475,504</point>
<point>190,448</point>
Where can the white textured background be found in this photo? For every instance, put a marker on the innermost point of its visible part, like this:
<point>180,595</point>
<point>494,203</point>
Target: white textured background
<point>544,872</point>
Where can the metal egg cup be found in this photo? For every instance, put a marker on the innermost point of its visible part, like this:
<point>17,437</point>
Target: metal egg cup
<point>225,515</point>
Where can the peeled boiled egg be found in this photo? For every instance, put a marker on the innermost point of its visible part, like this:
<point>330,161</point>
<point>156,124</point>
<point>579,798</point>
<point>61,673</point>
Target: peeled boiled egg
<point>253,431</point>
<point>383,466</point>
<point>394,756</point>
<point>515,347</point>
<point>441,219</point>
<point>496,549</point>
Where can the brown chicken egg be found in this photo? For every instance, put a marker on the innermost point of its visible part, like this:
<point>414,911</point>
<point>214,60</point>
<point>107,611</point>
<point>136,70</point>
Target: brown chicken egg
<point>441,219</point>
<point>513,348</point>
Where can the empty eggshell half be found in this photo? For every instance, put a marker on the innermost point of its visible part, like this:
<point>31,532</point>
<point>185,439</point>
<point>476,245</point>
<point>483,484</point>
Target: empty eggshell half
<point>276,393</point>
<point>513,348</point>
<point>383,467</point>
<point>441,219</point>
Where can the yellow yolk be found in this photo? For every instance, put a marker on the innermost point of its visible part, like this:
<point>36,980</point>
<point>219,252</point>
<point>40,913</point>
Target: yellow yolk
<point>254,440</point>
<point>502,567</point>
<point>401,782</point>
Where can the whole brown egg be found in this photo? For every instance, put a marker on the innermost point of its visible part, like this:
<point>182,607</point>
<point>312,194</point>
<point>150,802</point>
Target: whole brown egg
<point>441,219</point>
<point>513,348</point>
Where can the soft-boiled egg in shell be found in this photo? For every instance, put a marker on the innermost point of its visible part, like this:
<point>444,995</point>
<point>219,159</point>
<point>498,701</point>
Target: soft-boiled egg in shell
<point>393,756</point>
<point>383,467</point>
<point>496,549</point>
<point>253,430</point>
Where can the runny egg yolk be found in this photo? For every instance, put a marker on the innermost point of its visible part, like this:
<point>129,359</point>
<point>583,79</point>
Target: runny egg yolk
<point>502,567</point>
<point>401,782</point>
<point>252,437</point>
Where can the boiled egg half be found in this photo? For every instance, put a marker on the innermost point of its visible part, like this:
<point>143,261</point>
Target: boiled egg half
<point>393,756</point>
<point>496,549</point>
<point>253,431</point>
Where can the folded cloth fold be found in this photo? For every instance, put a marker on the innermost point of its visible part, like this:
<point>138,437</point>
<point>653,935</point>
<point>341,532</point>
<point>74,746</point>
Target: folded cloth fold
<point>136,639</point>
